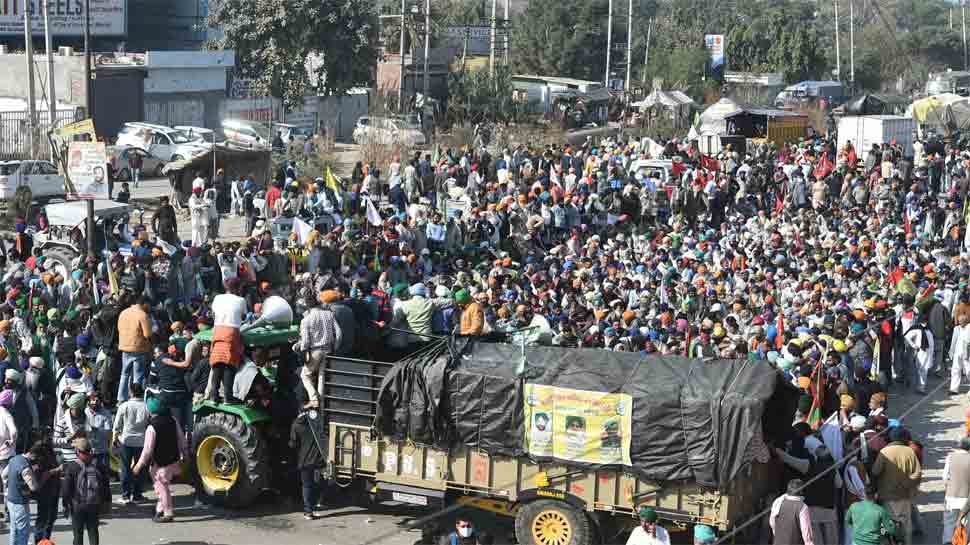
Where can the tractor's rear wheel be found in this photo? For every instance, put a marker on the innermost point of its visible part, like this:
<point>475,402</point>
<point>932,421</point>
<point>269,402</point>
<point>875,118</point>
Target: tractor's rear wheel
<point>232,460</point>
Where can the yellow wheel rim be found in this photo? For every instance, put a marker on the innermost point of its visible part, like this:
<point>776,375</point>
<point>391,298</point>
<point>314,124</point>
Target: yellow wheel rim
<point>218,464</point>
<point>551,528</point>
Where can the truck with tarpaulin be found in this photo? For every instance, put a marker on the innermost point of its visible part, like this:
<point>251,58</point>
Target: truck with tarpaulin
<point>549,438</point>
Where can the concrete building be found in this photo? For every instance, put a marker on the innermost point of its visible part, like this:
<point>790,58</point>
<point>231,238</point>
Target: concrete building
<point>439,67</point>
<point>186,87</point>
<point>542,91</point>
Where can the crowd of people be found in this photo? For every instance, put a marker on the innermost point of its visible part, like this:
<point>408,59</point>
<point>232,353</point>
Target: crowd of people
<point>846,272</point>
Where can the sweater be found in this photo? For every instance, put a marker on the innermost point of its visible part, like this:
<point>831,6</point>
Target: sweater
<point>131,421</point>
<point>897,472</point>
<point>472,320</point>
<point>134,330</point>
<point>869,520</point>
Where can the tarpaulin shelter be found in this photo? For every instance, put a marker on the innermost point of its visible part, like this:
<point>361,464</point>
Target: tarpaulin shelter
<point>947,111</point>
<point>678,418</point>
<point>714,118</point>
<point>873,104</point>
<point>679,105</point>
<point>236,162</point>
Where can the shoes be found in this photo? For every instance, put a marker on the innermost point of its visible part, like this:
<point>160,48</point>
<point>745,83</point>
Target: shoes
<point>138,499</point>
<point>309,516</point>
<point>952,393</point>
<point>125,500</point>
<point>921,392</point>
<point>161,519</point>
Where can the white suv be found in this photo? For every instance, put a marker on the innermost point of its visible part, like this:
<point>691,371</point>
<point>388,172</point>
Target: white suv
<point>387,130</point>
<point>161,141</point>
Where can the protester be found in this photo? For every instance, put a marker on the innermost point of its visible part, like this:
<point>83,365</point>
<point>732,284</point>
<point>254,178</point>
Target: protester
<point>134,342</point>
<point>870,522</point>
<point>85,489</point>
<point>130,424</point>
<point>22,481</point>
<point>648,532</point>
<point>164,448</point>
<point>306,436</point>
<point>791,519</point>
<point>897,474</point>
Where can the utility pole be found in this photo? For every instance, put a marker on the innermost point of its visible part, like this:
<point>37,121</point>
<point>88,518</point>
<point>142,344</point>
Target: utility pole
<point>90,104</point>
<point>427,46</point>
<point>646,54</point>
<point>400,89</point>
<point>609,43</point>
<point>629,49</point>
<point>963,24</point>
<point>838,51</point>
<point>492,40</point>
<point>52,98</point>
<point>852,43</point>
<point>508,30</point>
<point>31,98</point>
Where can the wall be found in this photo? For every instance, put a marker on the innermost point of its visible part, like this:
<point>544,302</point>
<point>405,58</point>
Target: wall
<point>187,71</point>
<point>119,97</point>
<point>339,114</point>
<point>195,109</point>
<point>68,77</point>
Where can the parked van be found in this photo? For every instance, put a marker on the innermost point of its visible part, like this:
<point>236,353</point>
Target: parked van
<point>388,130</point>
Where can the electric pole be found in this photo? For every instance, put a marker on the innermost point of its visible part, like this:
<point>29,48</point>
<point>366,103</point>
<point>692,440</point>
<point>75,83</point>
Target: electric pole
<point>508,30</point>
<point>427,47</point>
<point>646,54</point>
<point>90,106</point>
<point>52,98</point>
<point>491,43</point>
<point>838,51</point>
<point>629,49</point>
<point>609,42</point>
<point>963,19</point>
<point>400,89</point>
<point>31,98</point>
<point>852,43</point>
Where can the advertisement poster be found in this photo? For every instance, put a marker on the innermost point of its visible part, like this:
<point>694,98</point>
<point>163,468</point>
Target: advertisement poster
<point>87,170</point>
<point>715,44</point>
<point>577,425</point>
<point>108,17</point>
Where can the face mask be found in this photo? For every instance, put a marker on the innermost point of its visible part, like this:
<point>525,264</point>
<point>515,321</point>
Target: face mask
<point>465,532</point>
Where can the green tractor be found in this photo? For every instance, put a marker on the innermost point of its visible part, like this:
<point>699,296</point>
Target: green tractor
<point>241,450</point>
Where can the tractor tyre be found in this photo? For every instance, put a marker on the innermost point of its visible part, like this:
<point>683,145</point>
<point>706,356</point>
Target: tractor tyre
<point>232,460</point>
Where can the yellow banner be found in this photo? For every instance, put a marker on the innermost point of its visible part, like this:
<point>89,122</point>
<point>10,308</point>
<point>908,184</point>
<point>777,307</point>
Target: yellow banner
<point>577,425</point>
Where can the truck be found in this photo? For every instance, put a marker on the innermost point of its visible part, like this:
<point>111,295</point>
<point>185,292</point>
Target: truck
<point>865,130</point>
<point>378,450</point>
<point>951,81</point>
<point>811,93</point>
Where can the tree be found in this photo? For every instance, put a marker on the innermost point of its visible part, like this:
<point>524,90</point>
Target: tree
<point>476,96</point>
<point>561,38</point>
<point>292,47</point>
<point>779,38</point>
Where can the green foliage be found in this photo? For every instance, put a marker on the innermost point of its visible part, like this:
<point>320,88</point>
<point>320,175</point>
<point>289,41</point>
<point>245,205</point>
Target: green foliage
<point>292,47</point>
<point>561,38</point>
<point>779,38</point>
<point>475,96</point>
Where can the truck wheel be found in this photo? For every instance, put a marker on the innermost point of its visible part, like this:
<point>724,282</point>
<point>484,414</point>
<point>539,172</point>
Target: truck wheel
<point>232,460</point>
<point>551,522</point>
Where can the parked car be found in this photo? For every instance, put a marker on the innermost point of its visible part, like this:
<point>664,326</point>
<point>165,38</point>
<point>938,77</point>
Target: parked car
<point>151,165</point>
<point>196,134</point>
<point>252,134</point>
<point>165,142</point>
<point>299,133</point>
<point>41,177</point>
<point>386,130</point>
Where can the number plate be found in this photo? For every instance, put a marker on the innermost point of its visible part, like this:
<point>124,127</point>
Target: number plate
<point>413,499</point>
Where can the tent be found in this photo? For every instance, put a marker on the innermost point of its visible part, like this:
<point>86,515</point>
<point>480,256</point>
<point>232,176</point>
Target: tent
<point>75,213</point>
<point>947,111</point>
<point>714,118</point>
<point>873,104</point>
<point>678,103</point>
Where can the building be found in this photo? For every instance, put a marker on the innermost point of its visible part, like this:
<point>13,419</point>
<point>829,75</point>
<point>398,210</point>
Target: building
<point>439,67</point>
<point>754,88</point>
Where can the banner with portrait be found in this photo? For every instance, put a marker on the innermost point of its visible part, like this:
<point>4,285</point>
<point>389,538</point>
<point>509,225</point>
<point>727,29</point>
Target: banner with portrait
<point>87,170</point>
<point>577,425</point>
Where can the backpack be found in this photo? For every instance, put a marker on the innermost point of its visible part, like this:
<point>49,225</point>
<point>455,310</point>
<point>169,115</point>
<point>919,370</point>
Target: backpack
<point>88,487</point>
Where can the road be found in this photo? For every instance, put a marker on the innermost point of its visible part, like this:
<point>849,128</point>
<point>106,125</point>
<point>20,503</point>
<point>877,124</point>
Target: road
<point>937,420</point>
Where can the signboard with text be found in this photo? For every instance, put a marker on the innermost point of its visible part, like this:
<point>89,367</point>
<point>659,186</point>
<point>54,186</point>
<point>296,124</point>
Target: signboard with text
<point>87,170</point>
<point>715,44</point>
<point>108,17</point>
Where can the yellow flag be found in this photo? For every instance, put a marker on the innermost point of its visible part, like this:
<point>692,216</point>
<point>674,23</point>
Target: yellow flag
<point>332,180</point>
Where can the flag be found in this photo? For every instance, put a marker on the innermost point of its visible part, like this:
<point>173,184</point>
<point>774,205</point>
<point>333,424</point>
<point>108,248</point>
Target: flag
<point>687,344</point>
<point>824,168</point>
<point>331,181</point>
<point>906,224</point>
<point>710,163</point>
<point>779,203</point>
<point>798,241</point>
<point>373,216</point>
<point>780,334</point>
<point>894,277</point>
<point>817,389</point>
<point>112,277</point>
<point>302,230</point>
<point>377,256</point>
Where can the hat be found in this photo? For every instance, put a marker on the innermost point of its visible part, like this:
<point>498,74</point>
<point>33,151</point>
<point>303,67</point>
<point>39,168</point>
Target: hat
<point>704,534</point>
<point>81,444</point>
<point>77,401</point>
<point>647,514</point>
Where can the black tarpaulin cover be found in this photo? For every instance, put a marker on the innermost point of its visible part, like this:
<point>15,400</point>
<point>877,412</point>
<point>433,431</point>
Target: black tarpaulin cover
<point>691,419</point>
<point>875,104</point>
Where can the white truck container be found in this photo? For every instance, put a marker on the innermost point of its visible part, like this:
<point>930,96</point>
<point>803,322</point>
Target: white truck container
<point>865,130</point>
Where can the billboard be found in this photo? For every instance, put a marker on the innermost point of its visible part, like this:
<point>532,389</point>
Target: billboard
<point>715,44</point>
<point>108,17</point>
<point>87,170</point>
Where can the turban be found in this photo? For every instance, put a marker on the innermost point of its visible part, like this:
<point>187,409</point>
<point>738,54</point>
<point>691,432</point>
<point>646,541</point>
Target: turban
<point>462,297</point>
<point>399,289</point>
<point>704,534</point>
<point>418,290</point>
<point>648,515</point>
<point>155,406</point>
<point>77,401</point>
<point>36,362</point>
<point>13,375</point>
<point>329,296</point>
<point>858,422</point>
<point>73,372</point>
<point>846,401</point>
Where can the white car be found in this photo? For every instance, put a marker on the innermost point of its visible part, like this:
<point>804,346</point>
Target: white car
<point>386,130</point>
<point>165,142</point>
<point>251,134</point>
<point>196,134</point>
<point>40,176</point>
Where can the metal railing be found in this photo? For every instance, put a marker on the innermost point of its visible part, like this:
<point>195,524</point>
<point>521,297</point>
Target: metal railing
<point>15,132</point>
